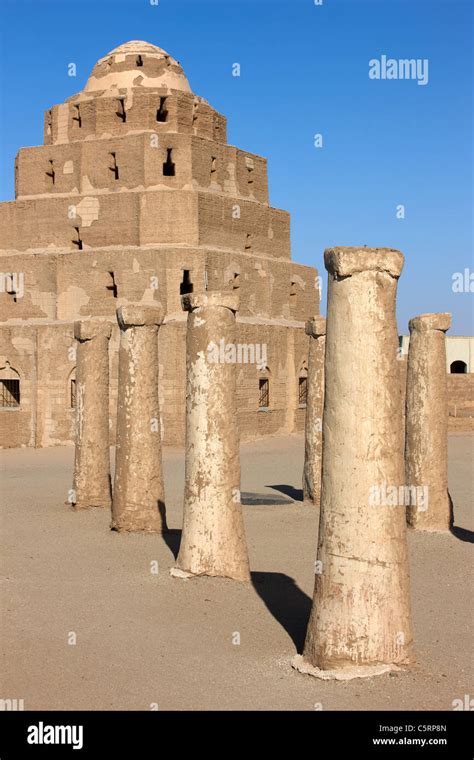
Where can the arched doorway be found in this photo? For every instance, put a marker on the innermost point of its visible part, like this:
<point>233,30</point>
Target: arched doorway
<point>458,367</point>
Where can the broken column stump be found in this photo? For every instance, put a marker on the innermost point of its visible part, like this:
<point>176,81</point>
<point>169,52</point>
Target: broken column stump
<point>91,487</point>
<point>138,500</point>
<point>213,538</point>
<point>426,451</point>
<point>316,329</point>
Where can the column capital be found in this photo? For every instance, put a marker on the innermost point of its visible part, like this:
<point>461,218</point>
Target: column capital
<point>228,299</point>
<point>140,315</point>
<point>316,327</point>
<point>345,261</point>
<point>87,329</point>
<point>425,322</point>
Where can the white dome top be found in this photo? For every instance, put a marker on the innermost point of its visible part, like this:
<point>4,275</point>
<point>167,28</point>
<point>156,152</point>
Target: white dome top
<point>136,64</point>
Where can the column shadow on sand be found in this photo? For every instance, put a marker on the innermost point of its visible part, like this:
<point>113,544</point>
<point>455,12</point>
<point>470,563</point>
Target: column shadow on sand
<point>294,493</point>
<point>282,597</point>
<point>172,539</point>
<point>251,499</point>
<point>463,534</point>
<point>286,603</point>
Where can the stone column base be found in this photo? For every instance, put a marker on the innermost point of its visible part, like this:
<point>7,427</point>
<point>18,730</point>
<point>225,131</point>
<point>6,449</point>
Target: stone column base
<point>177,572</point>
<point>341,674</point>
<point>138,521</point>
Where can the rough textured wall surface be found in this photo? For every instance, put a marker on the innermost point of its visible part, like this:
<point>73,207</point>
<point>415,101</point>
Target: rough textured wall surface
<point>461,402</point>
<point>136,197</point>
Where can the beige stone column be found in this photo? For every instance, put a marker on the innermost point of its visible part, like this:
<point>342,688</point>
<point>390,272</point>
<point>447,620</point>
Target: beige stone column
<point>138,501</point>
<point>360,619</point>
<point>91,485</point>
<point>213,537</point>
<point>316,329</point>
<point>426,451</point>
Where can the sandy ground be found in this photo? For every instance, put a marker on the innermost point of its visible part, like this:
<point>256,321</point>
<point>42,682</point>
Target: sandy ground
<point>145,638</point>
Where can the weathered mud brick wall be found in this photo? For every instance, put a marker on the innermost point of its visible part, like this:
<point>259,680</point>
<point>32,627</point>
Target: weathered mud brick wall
<point>460,398</point>
<point>135,196</point>
<point>56,366</point>
<point>27,287</point>
<point>461,402</point>
<point>18,372</point>
<point>172,379</point>
<point>286,351</point>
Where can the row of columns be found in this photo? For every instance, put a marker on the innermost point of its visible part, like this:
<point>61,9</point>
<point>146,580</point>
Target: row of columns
<point>360,619</point>
<point>213,538</point>
<point>429,505</point>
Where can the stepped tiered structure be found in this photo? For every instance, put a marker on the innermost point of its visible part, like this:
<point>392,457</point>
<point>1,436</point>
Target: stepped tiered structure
<point>137,197</point>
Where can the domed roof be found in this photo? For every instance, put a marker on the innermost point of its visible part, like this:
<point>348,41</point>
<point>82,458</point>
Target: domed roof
<point>136,64</point>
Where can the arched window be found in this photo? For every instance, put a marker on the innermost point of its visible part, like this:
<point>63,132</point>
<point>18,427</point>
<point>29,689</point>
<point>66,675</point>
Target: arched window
<point>302,390</point>
<point>264,393</point>
<point>169,168</point>
<point>162,113</point>
<point>9,387</point>
<point>303,385</point>
<point>458,367</point>
<point>186,285</point>
<point>71,389</point>
<point>264,390</point>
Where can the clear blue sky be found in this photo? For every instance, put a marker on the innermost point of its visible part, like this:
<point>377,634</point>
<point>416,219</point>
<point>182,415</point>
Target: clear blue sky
<point>304,70</point>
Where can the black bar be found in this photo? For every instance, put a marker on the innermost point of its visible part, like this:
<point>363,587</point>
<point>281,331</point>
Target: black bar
<point>317,734</point>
